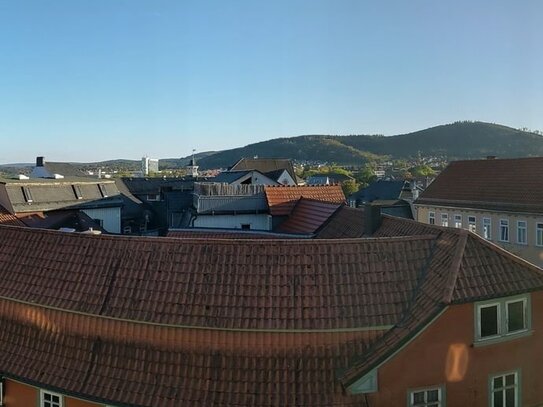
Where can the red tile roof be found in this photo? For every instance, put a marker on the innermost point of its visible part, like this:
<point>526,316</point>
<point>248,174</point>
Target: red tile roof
<point>282,199</point>
<point>506,184</point>
<point>227,234</point>
<point>307,216</point>
<point>7,218</point>
<point>169,322</point>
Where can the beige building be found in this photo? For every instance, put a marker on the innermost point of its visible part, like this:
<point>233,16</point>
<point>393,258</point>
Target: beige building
<point>500,200</point>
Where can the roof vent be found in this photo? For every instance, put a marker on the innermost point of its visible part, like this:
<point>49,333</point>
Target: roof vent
<point>22,176</point>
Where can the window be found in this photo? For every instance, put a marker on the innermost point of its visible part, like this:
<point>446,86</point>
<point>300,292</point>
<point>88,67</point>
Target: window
<point>432,218</point>
<point>99,222</point>
<point>245,226</point>
<point>472,224</point>
<point>127,230</point>
<point>505,390</point>
<point>153,197</point>
<point>1,392</point>
<point>426,398</point>
<point>502,317</point>
<point>522,235</point>
<point>487,229</point>
<point>103,190</point>
<point>48,399</point>
<point>444,219</point>
<point>457,221</point>
<point>77,191</point>
<point>27,195</point>
<point>504,230</point>
<point>539,234</point>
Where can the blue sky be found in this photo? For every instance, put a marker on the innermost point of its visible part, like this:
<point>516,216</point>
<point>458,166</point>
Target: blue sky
<point>85,80</point>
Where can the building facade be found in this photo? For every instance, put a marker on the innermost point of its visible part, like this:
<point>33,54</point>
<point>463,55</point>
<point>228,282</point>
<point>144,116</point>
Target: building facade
<point>499,199</point>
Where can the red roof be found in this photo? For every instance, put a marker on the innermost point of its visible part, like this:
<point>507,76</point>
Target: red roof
<point>506,184</point>
<point>169,322</point>
<point>7,218</point>
<point>307,216</point>
<point>282,199</point>
<point>226,234</point>
<point>346,222</point>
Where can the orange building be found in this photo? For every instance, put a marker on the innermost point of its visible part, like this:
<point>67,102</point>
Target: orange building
<point>416,315</point>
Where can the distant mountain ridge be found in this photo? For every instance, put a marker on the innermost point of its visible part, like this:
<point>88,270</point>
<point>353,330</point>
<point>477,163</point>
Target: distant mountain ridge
<point>460,140</point>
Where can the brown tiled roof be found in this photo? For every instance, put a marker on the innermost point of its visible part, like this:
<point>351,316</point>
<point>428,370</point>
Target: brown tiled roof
<point>169,322</point>
<point>307,216</point>
<point>506,184</point>
<point>7,218</point>
<point>282,199</point>
<point>346,222</point>
<point>228,234</point>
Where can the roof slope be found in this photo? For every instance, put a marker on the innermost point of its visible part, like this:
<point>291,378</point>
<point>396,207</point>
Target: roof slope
<point>380,190</point>
<point>506,184</point>
<point>346,222</point>
<point>265,165</point>
<point>231,323</point>
<point>282,199</point>
<point>307,216</point>
<point>7,218</point>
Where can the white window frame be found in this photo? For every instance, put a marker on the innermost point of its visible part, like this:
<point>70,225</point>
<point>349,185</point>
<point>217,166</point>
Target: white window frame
<point>517,386</point>
<point>487,222</point>
<point>472,225</point>
<point>44,392</point>
<point>441,396</point>
<point>445,219</point>
<point>504,225</point>
<point>503,318</point>
<point>458,219</point>
<point>525,228</point>
<point>431,217</point>
<point>539,234</point>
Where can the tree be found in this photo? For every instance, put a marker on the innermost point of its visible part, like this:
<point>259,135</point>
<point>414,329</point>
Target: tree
<point>422,171</point>
<point>349,187</point>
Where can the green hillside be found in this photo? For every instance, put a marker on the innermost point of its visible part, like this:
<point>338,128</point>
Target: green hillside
<point>461,140</point>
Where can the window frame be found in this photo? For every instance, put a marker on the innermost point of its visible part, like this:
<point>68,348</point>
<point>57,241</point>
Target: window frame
<point>457,223</point>
<point>503,322</point>
<point>506,226</point>
<point>489,224</point>
<point>539,234</point>
<point>472,226</point>
<point>445,219</point>
<point>517,386</point>
<point>431,217</point>
<point>525,242</point>
<point>52,393</point>
<point>442,396</point>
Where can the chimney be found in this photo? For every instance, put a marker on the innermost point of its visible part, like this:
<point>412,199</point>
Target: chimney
<point>372,218</point>
<point>39,161</point>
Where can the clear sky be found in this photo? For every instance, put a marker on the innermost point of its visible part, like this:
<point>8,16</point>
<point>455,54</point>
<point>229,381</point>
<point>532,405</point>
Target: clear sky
<point>86,80</point>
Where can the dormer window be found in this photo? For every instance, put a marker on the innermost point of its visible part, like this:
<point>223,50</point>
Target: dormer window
<point>27,194</point>
<point>103,191</point>
<point>77,191</point>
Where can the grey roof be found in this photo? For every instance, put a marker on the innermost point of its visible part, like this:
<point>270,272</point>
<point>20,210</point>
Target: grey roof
<point>265,165</point>
<point>229,204</point>
<point>227,177</point>
<point>380,190</point>
<point>144,186</point>
<point>52,194</point>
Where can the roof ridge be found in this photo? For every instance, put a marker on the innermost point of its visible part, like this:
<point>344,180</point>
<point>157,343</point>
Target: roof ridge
<point>455,265</point>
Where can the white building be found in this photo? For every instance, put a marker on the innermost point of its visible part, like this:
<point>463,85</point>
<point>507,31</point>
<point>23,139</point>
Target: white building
<point>149,165</point>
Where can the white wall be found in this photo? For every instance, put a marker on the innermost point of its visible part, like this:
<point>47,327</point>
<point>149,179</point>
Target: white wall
<point>111,218</point>
<point>260,222</point>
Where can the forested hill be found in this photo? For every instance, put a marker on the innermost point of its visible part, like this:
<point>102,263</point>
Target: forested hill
<point>455,141</point>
